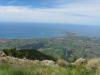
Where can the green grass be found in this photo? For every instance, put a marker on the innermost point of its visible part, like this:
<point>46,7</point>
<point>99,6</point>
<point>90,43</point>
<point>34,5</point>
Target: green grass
<point>38,69</point>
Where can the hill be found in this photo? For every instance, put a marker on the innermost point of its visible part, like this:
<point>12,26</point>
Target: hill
<point>70,46</point>
<point>28,54</point>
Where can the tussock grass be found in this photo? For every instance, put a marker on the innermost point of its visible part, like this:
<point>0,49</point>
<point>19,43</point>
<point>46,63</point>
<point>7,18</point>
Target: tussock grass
<point>38,69</point>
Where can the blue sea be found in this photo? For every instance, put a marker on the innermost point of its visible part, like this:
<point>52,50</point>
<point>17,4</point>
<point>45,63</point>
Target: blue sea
<point>39,30</point>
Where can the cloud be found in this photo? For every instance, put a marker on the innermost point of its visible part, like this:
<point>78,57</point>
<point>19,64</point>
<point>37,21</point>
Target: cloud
<point>89,8</point>
<point>30,15</point>
<point>82,12</point>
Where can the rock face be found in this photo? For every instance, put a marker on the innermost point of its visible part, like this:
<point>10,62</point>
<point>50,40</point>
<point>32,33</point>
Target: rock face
<point>80,61</point>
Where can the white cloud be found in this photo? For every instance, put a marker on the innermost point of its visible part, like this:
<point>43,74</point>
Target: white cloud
<point>84,12</point>
<point>88,8</point>
<point>28,14</point>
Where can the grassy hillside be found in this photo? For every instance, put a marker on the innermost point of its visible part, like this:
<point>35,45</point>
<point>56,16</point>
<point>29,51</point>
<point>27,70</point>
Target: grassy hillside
<point>15,66</point>
<point>36,69</point>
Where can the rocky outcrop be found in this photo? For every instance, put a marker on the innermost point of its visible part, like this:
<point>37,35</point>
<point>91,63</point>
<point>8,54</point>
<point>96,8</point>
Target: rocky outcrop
<point>2,54</point>
<point>48,62</point>
<point>80,61</point>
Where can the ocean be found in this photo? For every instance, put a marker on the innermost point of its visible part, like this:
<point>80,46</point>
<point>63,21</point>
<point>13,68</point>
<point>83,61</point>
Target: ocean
<point>39,30</point>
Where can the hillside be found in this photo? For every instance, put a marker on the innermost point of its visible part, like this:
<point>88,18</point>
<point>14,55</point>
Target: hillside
<point>14,66</point>
<point>46,56</point>
<point>70,46</point>
<point>28,54</point>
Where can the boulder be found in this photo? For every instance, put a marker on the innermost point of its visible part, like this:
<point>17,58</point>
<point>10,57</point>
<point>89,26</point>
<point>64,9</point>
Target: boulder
<point>80,61</point>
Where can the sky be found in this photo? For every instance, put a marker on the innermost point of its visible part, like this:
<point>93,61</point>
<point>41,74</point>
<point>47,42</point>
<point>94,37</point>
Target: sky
<point>82,12</point>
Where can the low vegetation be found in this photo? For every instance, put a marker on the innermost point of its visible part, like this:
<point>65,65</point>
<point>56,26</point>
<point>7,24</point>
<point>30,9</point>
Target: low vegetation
<point>39,69</point>
<point>14,66</point>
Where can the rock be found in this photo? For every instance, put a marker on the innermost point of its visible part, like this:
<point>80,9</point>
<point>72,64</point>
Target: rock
<point>48,62</point>
<point>80,61</point>
<point>36,61</point>
<point>2,54</point>
<point>24,58</point>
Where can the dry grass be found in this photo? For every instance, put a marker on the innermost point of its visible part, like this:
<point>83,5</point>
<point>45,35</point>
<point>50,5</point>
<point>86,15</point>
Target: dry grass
<point>15,66</point>
<point>93,64</point>
<point>62,63</point>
